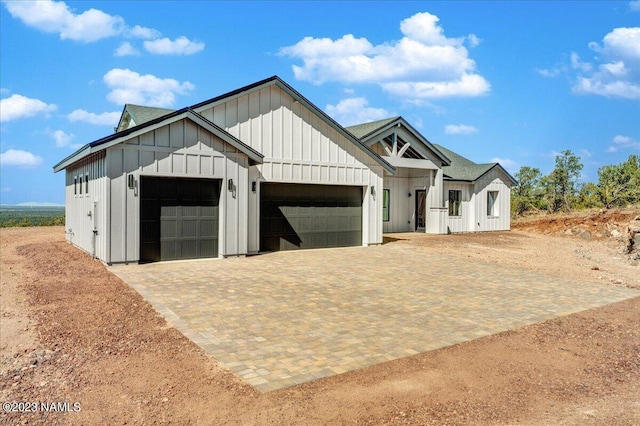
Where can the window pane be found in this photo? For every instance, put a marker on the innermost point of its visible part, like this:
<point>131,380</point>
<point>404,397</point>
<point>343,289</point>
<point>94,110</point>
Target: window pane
<point>385,205</point>
<point>455,197</point>
<point>492,197</point>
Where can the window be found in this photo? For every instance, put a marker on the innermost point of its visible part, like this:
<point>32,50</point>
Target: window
<point>386,198</point>
<point>75,185</point>
<point>80,184</point>
<point>454,202</point>
<point>86,183</point>
<point>492,203</point>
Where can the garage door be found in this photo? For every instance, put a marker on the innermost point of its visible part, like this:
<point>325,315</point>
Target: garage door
<point>178,218</point>
<point>296,216</point>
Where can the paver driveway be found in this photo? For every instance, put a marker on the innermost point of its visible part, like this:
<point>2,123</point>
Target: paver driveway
<point>285,318</point>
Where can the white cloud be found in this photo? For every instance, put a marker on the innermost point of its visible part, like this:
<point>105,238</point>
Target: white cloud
<point>473,40</point>
<point>597,85</point>
<point>459,129</point>
<point>423,64</point>
<point>18,157</point>
<point>102,119</point>
<point>130,87</point>
<point>143,32</point>
<point>623,142</point>
<point>577,64</point>
<point>63,139</point>
<point>549,73</point>
<point>179,46</point>
<point>126,49</point>
<point>585,153</point>
<point>351,111</point>
<point>56,17</point>
<point>467,85</point>
<point>510,165</point>
<point>618,74</point>
<point>18,106</point>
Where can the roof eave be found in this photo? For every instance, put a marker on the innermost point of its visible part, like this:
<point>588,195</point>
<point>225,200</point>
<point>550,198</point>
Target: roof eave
<point>304,101</point>
<point>275,80</point>
<point>119,137</point>
<point>64,163</point>
<point>400,120</point>
<point>254,155</point>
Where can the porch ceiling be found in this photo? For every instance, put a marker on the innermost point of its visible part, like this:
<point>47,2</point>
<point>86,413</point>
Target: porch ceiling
<point>410,163</point>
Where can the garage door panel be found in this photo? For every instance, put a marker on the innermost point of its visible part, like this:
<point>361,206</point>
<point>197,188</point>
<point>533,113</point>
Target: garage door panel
<point>298,216</point>
<point>168,250</point>
<point>179,218</point>
<point>189,228</point>
<point>168,228</point>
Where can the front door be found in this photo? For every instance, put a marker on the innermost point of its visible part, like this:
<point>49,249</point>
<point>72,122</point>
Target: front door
<point>421,211</point>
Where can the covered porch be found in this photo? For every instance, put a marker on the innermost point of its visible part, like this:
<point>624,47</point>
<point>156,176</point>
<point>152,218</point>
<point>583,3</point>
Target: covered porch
<point>413,200</point>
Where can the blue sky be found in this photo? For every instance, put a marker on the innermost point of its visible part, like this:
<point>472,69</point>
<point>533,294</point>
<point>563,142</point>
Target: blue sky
<point>515,82</point>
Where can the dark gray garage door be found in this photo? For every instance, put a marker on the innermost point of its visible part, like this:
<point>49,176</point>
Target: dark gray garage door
<point>296,216</point>
<point>178,218</point>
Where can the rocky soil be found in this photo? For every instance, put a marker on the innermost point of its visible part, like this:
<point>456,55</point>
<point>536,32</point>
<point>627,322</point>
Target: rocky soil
<point>70,332</point>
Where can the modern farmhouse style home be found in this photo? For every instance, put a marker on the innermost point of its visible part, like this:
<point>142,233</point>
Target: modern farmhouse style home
<point>262,169</point>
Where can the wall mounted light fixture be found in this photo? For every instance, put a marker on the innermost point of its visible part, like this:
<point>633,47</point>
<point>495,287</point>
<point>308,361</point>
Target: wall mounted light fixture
<point>373,191</point>
<point>230,185</point>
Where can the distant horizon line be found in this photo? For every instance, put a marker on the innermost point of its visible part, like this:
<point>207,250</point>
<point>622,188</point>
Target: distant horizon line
<point>33,204</point>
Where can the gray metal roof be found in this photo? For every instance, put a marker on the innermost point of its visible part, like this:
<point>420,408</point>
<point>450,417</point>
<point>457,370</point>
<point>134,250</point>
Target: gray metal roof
<point>362,130</point>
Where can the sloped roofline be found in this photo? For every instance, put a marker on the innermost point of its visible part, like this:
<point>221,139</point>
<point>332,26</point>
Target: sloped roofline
<point>493,166</point>
<point>400,120</point>
<point>184,113</point>
<point>490,166</point>
<point>297,96</point>
<point>503,171</point>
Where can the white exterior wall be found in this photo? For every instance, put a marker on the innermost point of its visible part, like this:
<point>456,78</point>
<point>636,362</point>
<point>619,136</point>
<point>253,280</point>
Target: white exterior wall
<point>474,216</point>
<point>402,208</point>
<point>463,222</point>
<point>298,147</point>
<point>437,214</point>
<point>400,205</point>
<point>492,181</point>
<point>86,211</point>
<point>180,149</point>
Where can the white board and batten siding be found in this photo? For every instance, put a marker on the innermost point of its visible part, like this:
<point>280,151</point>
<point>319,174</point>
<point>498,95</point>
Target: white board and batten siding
<point>298,147</point>
<point>494,180</point>
<point>402,192</point>
<point>464,222</point>
<point>474,216</point>
<point>85,207</point>
<point>180,149</point>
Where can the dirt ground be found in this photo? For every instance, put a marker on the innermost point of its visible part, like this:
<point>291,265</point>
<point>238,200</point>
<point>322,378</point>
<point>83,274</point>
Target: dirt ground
<point>72,332</point>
